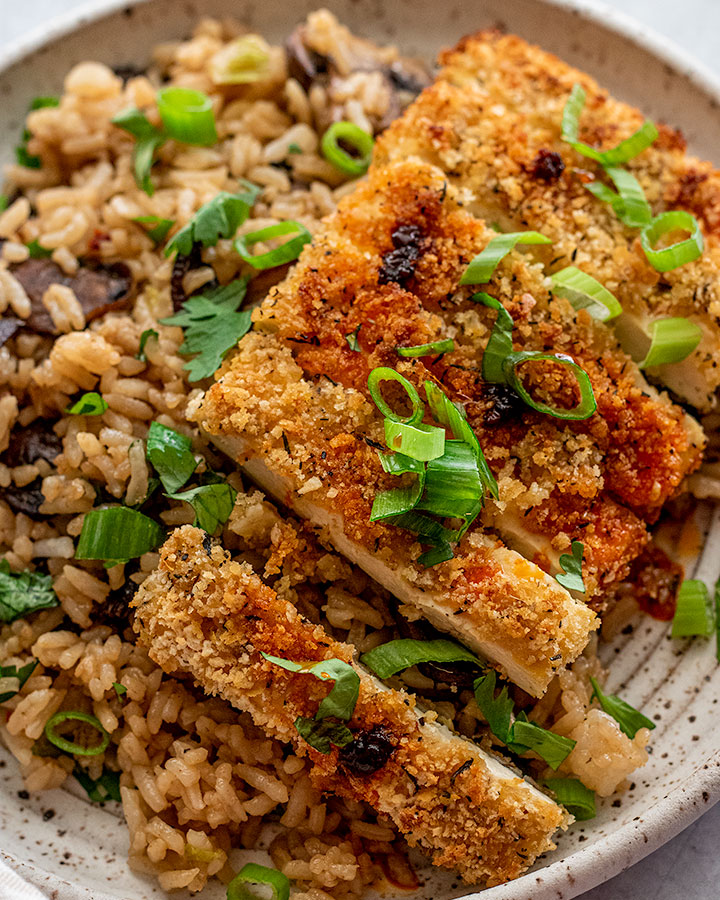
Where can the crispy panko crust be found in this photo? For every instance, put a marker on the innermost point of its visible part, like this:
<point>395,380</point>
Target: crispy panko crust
<point>307,443</point>
<point>211,617</point>
<point>489,120</point>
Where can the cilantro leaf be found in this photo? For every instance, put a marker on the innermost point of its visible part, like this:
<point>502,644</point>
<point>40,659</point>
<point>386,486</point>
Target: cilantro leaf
<point>22,593</point>
<point>171,456</point>
<point>160,227</point>
<point>107,786</point>
<point>120,689</point>
<point>212,327</point>
<point>144,337</point>
<point>322,734</point>
<point>519,735</point>
<point>212,503</point>
<point>22,155</point>
<point>218,218</point>
<point>37,251</point>
<point>90,404</point>
<point>628,718</point>
<point>571,576</point>
<point>148,139</point>
<point>22,674</point>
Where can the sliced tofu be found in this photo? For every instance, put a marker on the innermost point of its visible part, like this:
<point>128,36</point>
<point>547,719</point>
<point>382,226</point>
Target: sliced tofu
<point>205,615</point>
<point>492,123</point>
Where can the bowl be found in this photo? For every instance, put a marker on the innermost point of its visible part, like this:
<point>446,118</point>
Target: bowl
<point>75,851</point>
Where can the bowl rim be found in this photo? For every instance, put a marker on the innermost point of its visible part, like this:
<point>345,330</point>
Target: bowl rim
<point>686,801</point>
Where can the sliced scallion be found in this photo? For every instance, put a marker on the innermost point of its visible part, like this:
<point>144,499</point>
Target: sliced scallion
<point>419,441</point>
<point>452,482</point>
<point>666,258</point>
<point>499,345</point>
<point>90,404</point>
<point>254,873</point>
<point>717,620</point>
<point>20,675</point>
<point>384,373</point>
<point>584,292</point>
<point>187,116</point>
<point>117,534</point>
<point>482,267</point>
<point>444,346</point>
<point>285,253</point>
<point>616,156</point>
<point>353,136</point>
<point>159,228</point>
<point>693,613</point>
<point>628,202</point>
<point>245,60</point>
<point>574,796</point>
<point>394,656</point>
<point>70,746</point>
<point>671,341</point>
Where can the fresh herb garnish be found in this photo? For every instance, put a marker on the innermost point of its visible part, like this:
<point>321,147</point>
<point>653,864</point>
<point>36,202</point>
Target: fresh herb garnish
<point>585,292</point>
<point>212,504</point>
<point>212,327</point>
<point>394,656</point>
<point>22,593</point>
<point>37,251</point>
<point>117,534</point>
<point>500,365</point>
<point>90,404</point>
<point>339,703</point>
<point>717,620</point>
<point>171,456</point>
<point>22,674</point>
<point>671,341</point>
<point>352,339</point>
<point>693,612</point>
<point>22,156</point>
<point>187,116</point>
<point>107,786</point>
<point>294,148</point>
<point>628,718</point>
<point>571,563</point>
<point>519,735</point>
<point>72,747</point>
<point>144,338</point>
<point>256,874</point>
<point>148,139</point>
<point>482,267</point>
<point>159,228</point>
<point>616,156</point>
<point>628,202</point>
<point>352,136</point>
<point>4,202</point>
<point>218,218</point>
<point>678,254</point>
<point>120,689</point>
<point>444,346</point>
<point>574,796</point>
<point>284,253</point>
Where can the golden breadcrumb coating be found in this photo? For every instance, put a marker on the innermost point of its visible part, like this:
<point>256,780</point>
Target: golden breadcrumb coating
<point>206,615</point>
<point>492,123</point>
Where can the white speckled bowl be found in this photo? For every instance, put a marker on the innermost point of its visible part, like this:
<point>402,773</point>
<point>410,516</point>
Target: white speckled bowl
<point>79,851</point>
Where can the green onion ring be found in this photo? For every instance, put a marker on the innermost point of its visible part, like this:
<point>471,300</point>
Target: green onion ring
<point>70,747</point>
<point>671,341</point>
<point>384,373</point>
<point>678,254</point>
<point>285,253</point>
<point>585,292</point>
<point>355,136</point>
<point>418,441</point>
<point>187,116</point>
<point>257,874</point>
<point>444,346</point>
<point>585,407</point>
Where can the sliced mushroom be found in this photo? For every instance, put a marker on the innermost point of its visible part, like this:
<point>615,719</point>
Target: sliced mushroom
<point>9,328</point>
<point>99,288</point>
<point>33,442</point>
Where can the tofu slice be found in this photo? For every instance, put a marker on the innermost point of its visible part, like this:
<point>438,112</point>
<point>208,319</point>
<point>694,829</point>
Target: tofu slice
<point>203,614</point>
<point>490,122</point>
<point>305,443</point>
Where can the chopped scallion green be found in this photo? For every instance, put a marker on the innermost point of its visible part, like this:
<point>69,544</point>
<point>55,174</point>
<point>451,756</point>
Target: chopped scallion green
<point>693,613</point>
<point>585,292</point>
<point>671,340</point>
<point>71,746</point>
<point>353,136</point>
<point>444,346</point>
<point>117,534</point>
<point>666,258</point>
<point>187,116</point>
<point>244,60</point>
<point>159,228</point>
<point>383,373</point>
<point>90,404</point>
<point>21,675</point>
<point>482,267</point>
<point>419,441</point>
<point>629,202</point>
<point>256,874</point>
<point>144,338</point>
<point>280,255</point>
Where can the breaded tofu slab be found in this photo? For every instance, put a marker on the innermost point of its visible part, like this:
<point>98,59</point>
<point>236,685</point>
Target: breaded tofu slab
<point>293,405</point>
<point>203,614</point>
<point>492,123</point>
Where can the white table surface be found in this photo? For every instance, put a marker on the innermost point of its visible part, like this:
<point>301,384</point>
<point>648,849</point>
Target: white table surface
<point>687,868</point>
